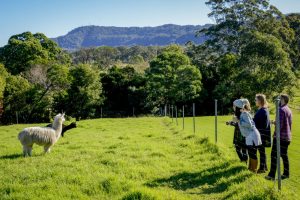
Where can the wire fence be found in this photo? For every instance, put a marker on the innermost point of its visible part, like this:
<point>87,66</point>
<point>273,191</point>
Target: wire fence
<point>215,128</point>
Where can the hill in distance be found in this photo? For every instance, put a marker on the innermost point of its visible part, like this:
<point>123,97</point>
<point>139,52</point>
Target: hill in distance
<point>93,36</point>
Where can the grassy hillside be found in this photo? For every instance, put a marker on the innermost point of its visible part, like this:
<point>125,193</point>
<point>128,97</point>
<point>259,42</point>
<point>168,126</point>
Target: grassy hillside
<point>134,158</point>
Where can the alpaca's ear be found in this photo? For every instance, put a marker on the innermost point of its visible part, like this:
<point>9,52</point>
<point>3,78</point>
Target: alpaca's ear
<point>63,114</point>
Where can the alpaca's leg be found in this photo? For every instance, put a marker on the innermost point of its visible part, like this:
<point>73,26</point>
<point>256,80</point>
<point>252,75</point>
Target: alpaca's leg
<point>47,149</point>
<point>24,151</point>
<point>29,150</point>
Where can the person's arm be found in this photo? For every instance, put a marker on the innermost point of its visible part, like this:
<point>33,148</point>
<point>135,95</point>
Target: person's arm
<point>282,120</point>
<point>265,120</point>
<point>258,119</point>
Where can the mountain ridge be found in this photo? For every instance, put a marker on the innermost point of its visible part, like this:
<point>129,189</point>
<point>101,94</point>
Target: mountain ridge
<point>93,36</point>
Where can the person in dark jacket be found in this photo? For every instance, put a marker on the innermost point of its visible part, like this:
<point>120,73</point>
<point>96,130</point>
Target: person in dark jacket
<point>262,123</point>
<point>239,140</point>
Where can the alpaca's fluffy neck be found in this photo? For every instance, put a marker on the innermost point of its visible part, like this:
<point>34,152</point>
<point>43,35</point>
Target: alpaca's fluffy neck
<point>57,126</point>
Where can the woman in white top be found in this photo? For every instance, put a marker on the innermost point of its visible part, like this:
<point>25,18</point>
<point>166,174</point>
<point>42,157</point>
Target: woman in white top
<point>248,130</point>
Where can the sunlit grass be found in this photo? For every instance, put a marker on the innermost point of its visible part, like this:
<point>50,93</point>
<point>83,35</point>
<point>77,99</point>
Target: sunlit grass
<point>133,158</point>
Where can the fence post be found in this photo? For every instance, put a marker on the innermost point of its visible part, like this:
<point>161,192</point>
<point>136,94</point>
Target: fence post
<point>183,117</point>
<point>278,142</point>
<point>176,115</point>
<point>194,125</point>
<point>216,121</point>
<point>133,111</point>
<point>172,110</point>
<point>101,112</point>
<point>17,117</point>
<point>165,110</point>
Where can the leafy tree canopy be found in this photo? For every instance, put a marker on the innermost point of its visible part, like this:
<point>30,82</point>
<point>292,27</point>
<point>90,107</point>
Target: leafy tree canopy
<point>25,49</point>
<point>172,78</point>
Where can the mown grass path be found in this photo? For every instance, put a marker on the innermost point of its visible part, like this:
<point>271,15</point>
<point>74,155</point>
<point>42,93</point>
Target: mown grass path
<point>132,158</point>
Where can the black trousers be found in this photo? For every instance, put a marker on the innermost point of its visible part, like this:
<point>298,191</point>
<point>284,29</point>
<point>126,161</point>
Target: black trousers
<point>284,155</point>
<point>263,158</point>
<point>241,152</point>
<point>252,150</point>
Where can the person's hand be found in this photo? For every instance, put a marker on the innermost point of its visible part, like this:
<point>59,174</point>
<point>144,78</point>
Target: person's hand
<point>273,122</point>
<point>235,119</point>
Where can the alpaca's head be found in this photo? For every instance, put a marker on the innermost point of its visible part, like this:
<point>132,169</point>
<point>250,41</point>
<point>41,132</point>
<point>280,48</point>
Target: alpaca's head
<point>60,118</point>
<point>73,125</point>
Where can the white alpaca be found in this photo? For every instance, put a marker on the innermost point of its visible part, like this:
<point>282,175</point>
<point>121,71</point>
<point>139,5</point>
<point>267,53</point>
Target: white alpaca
<point>43,136</point>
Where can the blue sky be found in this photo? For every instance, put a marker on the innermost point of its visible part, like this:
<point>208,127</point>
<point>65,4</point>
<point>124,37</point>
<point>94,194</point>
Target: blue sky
<point>57,17</point>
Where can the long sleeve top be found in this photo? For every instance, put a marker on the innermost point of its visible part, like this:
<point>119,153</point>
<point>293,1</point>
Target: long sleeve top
<point>262,123</point>
<point>285,117</point>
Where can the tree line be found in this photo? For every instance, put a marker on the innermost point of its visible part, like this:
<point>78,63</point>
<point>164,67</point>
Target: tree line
<point>251,48</point>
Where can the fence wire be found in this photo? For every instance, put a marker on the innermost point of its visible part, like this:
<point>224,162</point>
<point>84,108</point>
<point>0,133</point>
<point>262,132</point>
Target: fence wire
<point>205,127</point>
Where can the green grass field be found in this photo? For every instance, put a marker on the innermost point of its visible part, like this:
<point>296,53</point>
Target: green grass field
<point>137,158</point>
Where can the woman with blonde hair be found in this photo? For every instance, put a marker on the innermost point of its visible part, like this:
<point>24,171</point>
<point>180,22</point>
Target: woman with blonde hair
<point>262,123</point>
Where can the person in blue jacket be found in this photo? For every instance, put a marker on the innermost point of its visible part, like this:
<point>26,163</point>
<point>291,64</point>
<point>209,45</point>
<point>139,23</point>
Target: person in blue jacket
<point>262,123</point>
<point>249,131</point>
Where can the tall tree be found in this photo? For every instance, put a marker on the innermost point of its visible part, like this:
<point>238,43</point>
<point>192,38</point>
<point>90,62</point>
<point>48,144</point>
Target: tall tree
<point>25,49</point>
<point>294,22</point>
<point>47,79</point>
<point>17,98</point>
<point>238,59</point>
<point>84,93</point>
<point>3,75</point>
<point>124,90</point>
<point>171,77</point>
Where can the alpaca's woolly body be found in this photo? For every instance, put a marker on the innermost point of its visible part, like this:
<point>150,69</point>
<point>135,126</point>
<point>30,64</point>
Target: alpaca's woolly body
<point>37,135</point>
<point>43,136</point>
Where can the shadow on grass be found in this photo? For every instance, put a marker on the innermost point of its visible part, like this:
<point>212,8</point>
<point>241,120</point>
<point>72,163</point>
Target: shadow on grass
<point>209,178</point>
<point>12,156</point>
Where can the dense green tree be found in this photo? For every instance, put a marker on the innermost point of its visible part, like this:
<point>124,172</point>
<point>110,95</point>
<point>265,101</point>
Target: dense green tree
<point>263,66</point>
<point>294,22</point>
<point>17,98</point>
<point>84,93</point>
<point>3,75</point>
<point>236,18</point>
<point>24,50</point>
<point>105,57</point>
<point>124,90</point>
<point>171,78</point>
<point>47,80</point>
<point>248,50</point>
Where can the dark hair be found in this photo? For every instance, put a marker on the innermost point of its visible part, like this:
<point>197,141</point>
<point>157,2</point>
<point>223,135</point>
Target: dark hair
<point>285,97</point>
<point>237,112</point>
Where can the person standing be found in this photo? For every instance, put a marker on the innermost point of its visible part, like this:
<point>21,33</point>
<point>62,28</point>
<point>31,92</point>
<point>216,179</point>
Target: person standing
<point>262,123</point>
<point>285,118</point>
<point>239,140</point>
<point>249,131</point>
